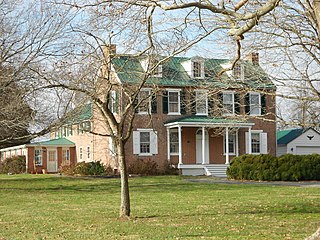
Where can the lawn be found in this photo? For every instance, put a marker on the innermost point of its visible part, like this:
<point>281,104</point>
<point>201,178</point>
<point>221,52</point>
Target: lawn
<point>54,207</point>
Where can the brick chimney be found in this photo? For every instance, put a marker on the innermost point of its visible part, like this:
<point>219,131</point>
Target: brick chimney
<point>253,57</point>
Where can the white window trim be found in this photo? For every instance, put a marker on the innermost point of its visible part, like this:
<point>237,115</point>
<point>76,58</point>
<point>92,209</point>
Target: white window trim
<point>241,65</point>
<point>80,153</point>
<point>260,139</point>
<point>201,62</point>
<point>88,147</point>
<point>179,101</point>
<point>259,98</point>
<point>234,147</point>
<point>41,152</point>
<point>205,92</point>
<point>66,150</point>
<point>233,105</point>
<point>153,142</point>
<point>170,131</point>
<point>113,98</point>
<point>149,101</point>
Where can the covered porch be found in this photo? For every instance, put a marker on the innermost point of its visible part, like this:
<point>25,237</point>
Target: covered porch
<point>205,145</point>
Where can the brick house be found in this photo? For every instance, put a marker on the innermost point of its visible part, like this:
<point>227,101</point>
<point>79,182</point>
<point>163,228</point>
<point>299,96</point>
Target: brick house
<point>189,117</point>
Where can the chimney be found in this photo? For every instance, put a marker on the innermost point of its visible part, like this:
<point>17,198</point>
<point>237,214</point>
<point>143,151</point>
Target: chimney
<point>253,57</point>
<point>110,51</point>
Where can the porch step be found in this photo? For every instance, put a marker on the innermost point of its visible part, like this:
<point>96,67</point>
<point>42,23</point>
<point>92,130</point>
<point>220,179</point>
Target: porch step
<point>217,170</point>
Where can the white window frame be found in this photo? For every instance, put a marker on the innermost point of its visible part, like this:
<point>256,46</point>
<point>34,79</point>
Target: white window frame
<point>177,152</point>
<point>153,142</point>
<point>238,67</point>
<point>112,147</point>
<point>65,156</point>
<point>113,101</point>
<point>88,153</point>
<point>263,141</point>
<point>40,156</point>
<point>179,101</point>
<point>80,153</point>
<point>199,70</point>
<point>233,152</point>
<point>206,102</point>
<point>258,106</point>
<point>259,137</point>
<point>229,103</point>
<point>148,100</point>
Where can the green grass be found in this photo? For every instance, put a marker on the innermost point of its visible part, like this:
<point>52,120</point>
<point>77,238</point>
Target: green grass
<point>53,207</point>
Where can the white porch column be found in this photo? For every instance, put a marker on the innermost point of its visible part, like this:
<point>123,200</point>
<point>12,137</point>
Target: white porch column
<point>227,145</point>
<point>249,141</point>
<point>168,143</point>
<point>203,146</point>
<point>180,145</point>
<point>237,143</point>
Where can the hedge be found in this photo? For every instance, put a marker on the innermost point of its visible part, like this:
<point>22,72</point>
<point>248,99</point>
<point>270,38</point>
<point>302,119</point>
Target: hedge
<point>14,165</point>
<point>287,167</point>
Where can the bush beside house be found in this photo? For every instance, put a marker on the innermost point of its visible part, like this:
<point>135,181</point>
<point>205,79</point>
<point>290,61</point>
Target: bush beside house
<point>14,165</point>
<point>288,167</point>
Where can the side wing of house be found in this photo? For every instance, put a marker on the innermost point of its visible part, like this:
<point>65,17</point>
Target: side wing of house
<point>307,143</point>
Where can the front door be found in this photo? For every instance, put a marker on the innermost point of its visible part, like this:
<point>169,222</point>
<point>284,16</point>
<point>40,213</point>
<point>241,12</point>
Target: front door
<point>52,161</point>
<point>199,147</point>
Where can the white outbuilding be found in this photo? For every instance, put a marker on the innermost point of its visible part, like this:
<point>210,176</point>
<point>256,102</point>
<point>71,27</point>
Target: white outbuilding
<point>298,141</point>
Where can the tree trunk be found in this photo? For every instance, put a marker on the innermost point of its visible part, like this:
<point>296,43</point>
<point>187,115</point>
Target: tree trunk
<point>316,6</point>
<point>125,197</point>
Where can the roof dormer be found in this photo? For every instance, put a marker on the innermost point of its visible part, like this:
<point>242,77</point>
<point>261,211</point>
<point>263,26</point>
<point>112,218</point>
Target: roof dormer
<point>150,64</point>
<point>194,67</point>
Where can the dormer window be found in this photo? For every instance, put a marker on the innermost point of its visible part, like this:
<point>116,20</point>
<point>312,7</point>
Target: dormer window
<point>197,69</point>
<point>238,72</point>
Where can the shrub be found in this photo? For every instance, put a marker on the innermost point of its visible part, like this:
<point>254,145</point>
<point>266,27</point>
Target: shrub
<point>144,167</point>
<point>87,169</point>
<point>15,164</point>
<point>268,168</point>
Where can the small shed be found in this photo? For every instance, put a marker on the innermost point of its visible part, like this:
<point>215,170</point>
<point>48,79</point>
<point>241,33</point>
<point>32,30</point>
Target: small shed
<point>298,141</point>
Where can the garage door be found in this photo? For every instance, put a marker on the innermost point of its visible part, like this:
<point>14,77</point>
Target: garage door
<point>307,150</point>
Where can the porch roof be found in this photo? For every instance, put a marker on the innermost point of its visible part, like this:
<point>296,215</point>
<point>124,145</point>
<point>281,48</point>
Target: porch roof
<point>53,142</point>
<point>196,121</point>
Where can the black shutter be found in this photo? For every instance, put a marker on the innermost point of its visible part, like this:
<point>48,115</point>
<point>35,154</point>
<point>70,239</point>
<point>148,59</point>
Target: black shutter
<point>165,102</point>
<point>237,103</point>
<point>193,102</point>
<point>183,107</point>
<point>154,103</point>
<point>263,104</point>
<point>134,104</point>
<point>210,105</point>
<point>247,103</point>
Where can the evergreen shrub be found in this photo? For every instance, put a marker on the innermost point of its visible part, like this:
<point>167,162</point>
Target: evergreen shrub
<point>268,168</point>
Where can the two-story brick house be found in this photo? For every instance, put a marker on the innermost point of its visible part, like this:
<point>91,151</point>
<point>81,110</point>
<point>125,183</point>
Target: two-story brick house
<point>189,117</point>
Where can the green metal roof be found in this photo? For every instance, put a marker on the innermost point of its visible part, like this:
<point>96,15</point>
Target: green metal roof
<point>207,120</point>
<point>80,114</point>
<point>286,136</point>
<point>130,70</point>
<point>53,142</point>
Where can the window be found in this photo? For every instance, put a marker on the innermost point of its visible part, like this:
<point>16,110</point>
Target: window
<point>145,142</point>
<point>80,153</point>
<point>174,102</point>
<point>258,142</point>
<point>232,144</point>
<point>84,127</point>
<point>88,152</point>
<point>255,142</point>
<point>144,101</point>
<point>238,72</point>
<point>201,103</point>
<point>228,103</point>
<point>2,156</point>
<point>113,101</point>
<point>174,142</point>
<point>255,105</point>
<point>38,157</point>
<point>65,157</point>
<point>157,68</point>
<point>197,69</point>
<point>112,147</point>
